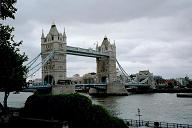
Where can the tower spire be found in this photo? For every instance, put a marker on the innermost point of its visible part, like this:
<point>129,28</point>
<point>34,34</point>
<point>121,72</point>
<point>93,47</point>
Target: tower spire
<point>53,23</point>
<point>42,35</point>
<point>64,34</point>
<point>105,37</point>
<point>97,46</point>
<point>114,43</point>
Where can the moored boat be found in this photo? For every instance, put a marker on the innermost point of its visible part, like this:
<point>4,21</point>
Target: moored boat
<point>184,95</point>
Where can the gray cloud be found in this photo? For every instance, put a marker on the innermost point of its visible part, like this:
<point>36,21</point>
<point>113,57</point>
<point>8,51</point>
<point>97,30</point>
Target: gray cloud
<point>154,35</point>
<point>98,11</point>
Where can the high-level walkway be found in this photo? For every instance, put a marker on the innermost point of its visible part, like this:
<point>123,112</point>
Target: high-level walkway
<point>85,52</point>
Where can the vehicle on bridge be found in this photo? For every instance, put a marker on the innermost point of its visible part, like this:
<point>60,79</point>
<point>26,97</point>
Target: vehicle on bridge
<point>65,82</point>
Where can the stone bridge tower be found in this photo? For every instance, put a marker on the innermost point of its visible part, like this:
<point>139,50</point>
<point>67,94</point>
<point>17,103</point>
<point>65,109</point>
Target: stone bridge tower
<point>106,66</point>
<point>106,70</point>
<point>55,68</point>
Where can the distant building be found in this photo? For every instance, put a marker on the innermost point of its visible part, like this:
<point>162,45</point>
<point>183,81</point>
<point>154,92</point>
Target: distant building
<point>143,77</point>
<point>76,79</point>
<point>89,78</point>
<point>182,81</point>
<point>121,77</point>
<point>36,82</point>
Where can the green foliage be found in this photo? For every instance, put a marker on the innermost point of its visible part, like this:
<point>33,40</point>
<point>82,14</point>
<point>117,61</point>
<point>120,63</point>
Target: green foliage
<point>12,71</point>
<point>77,109</point>
<point>7,9</point>
<point>159,79</point>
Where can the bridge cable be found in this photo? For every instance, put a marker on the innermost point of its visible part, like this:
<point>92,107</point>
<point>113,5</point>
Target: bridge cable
<point>42,63</point>
<point>33,60</point>
<point>34,66</point>
<point>121,68</point>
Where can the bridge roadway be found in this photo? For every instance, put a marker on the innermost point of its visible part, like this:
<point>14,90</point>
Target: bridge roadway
<point>96,86</point>
<point>136,85</point>
<point>100,86</point>
<point>34,87</point>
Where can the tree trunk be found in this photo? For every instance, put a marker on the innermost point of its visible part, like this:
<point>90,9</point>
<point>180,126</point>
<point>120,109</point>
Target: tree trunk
<point>5,99</point>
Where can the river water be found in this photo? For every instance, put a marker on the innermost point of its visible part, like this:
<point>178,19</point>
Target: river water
<point>164,107</point>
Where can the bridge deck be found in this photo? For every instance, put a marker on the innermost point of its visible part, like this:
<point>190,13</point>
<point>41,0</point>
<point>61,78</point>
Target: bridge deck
<point>136,84</point>
<point>46,87</point>
<point>96,86</point>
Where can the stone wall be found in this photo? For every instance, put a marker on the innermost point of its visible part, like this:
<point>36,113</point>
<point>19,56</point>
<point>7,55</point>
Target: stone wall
<point>63,89</point>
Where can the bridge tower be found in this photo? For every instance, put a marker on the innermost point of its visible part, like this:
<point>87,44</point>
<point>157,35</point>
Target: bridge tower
<point>106,66</point>
<point>55,68</point>
<point>106,70</point>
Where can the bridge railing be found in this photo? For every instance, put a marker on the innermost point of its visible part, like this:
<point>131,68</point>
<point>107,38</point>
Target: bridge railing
<point>155,124</point>
<point>136,84</point>
<point>98,86</point>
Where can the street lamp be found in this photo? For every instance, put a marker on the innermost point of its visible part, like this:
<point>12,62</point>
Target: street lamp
<point>139,115</point>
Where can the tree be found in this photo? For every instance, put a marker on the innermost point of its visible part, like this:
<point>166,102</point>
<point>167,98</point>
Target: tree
<point>7,9</point>
<point>158,79</point>
<point>12,71</point>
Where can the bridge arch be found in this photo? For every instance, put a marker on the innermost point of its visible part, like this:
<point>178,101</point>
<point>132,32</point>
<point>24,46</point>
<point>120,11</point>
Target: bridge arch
<point>49,79</point>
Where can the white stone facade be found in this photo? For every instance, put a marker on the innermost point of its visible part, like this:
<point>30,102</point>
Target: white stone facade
<point>144,77</point>
<point>54,69</point>
<point>106,66</point>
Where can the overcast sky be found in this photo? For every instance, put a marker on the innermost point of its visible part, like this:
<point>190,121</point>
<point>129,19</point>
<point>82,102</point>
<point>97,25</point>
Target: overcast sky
<point>154,35</point>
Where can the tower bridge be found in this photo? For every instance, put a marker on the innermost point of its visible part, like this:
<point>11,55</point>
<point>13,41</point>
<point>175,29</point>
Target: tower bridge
<point>53,53</point>
<point>55,68</point>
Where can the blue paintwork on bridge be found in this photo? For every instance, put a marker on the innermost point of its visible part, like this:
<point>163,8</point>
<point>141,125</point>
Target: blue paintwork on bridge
<point>35,87</point>
<point>92,85</point>
<point>41,86</point>
<point>136,85</point>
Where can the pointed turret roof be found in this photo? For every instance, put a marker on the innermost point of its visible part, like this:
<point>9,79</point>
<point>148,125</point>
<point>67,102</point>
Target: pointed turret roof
<point>53,31</point>
<point>64,34</point>
<point>105,37</point>
<point>114,43</point>
<point>42,35</point>
<point>105,41</point>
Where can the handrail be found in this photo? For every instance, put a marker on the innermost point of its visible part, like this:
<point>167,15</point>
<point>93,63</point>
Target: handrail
<point>156,124</point>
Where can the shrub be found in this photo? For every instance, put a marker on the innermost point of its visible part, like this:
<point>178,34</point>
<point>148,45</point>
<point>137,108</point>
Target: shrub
<point>77,109</point>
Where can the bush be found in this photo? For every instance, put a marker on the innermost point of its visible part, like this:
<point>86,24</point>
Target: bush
<point>77,109</point>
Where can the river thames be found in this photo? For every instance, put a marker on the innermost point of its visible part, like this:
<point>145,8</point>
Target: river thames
<point>164,107</point>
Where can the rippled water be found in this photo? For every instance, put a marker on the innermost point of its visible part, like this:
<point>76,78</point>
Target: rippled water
<point>165,107</point>
<point>16,100</point>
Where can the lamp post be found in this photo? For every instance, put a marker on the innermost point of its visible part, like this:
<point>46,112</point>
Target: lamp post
<point>139,115</point>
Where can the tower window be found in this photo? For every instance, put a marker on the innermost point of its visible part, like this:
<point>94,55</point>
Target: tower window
<point>60,45</point>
